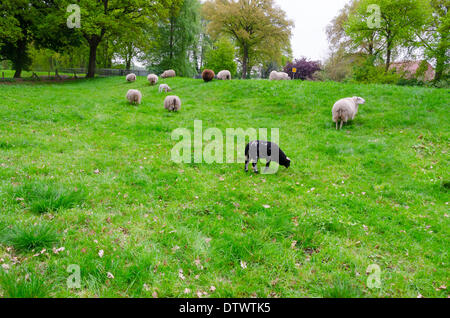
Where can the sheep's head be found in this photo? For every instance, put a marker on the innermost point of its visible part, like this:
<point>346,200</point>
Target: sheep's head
<point>288,162</point>
<point>359,100</point>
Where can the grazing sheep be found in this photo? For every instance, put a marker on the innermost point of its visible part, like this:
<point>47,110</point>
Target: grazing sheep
<point>153,79</point>
<point>270,151</point>
<point>134,96</point>
<point>346,109</point>
<point>208,75</point>
<point>131,77</point>
<point>279,76</point>
<point>224,75</point>
<point>169,73</point>
<point>172,103</point>
<point>165,88</point>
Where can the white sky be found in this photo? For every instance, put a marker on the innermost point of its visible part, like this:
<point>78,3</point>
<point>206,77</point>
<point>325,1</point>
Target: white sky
<point>311,17</point>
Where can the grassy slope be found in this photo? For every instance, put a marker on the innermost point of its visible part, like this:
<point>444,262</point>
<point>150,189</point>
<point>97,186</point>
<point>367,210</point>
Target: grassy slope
<point>378,191</point>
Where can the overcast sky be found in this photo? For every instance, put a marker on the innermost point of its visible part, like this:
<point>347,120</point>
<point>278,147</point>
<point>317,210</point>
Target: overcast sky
<point>311,18</point>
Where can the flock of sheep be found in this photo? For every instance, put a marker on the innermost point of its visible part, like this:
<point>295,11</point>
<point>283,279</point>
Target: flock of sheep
<point>172,103</point>
<point>343,110</point>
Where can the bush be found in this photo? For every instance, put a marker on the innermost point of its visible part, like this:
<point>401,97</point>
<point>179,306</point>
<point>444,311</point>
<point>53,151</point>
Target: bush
<point>305,69</point>
<point>368,73</point>
<point>221,57</point>
<point>410,82</point>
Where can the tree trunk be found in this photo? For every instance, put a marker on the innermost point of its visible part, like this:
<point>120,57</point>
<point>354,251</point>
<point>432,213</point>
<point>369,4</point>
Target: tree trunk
<point>20,58</point>
<point>18,72</point>
<point>388,59</point>
<point>245,63</point>
<point>128,64</point>
<point>93,44</point>
<point>389,50</point>
<point>171,39</point>
<point>440,64</point>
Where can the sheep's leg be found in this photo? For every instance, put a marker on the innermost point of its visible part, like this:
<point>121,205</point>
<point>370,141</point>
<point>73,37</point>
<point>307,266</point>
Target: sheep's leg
<point>247,161</point>
<point>267,166</point>
<point>342,124</point>
<point>255,167</point>
<point>337,124</point>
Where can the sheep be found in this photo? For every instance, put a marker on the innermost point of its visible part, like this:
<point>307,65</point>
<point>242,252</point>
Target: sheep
<point>270,151</point>
<point>153,79</point>
<point>165,88</point>
<point>131,77</point>
<point>346,109</point>
<point>208,75</point>
<point>224,75</point>
<point>279,76</point>
<point>169,73</point>
<point>172,103</point>
<point>134,96</point>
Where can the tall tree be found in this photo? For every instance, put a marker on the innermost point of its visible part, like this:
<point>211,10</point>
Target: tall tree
<point>100,18</point>
<point>27,22</point>
<point>259,28</point>
<point>397,24</point>
<point>176,39</point>
<point>435,36</point>
<point>339,40</point>
<point>127,48</point>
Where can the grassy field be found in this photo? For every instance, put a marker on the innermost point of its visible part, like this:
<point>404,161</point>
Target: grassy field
<point>82,169</point>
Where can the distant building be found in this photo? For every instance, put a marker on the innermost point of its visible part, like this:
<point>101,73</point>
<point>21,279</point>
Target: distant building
<point>410,68</point>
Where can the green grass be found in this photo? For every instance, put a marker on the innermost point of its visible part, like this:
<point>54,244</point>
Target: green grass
<point>39,197</point>
<point>29,237</point>
<point>101,170</point>
<point>23,285</point>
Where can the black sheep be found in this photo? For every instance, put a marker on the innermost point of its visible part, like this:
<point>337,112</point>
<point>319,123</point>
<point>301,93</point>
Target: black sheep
<point>270,151</point>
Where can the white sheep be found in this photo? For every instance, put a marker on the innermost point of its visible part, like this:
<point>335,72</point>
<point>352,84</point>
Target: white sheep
<point>279,76</point>
<point>153,79</point>
<point>131,77</point>
<point>172,103</point>
<point>134,96</point>
<point>169,73</point>
<point>165,88</point>
<point>346,109</point>
<point>224,75</point>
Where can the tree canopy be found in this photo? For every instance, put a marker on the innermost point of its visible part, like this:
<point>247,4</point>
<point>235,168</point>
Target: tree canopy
<point>259,28</point>
<point>397,22</point>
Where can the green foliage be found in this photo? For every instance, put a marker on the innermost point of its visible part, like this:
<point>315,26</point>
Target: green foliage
<point>120,19</point>
<point>176,39</point>
<point>27,22</point>
<point>221,57</point>
<point>367,73</point>
<point>435,38</point>
<point>260,29</point>
<point>399,22</point>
